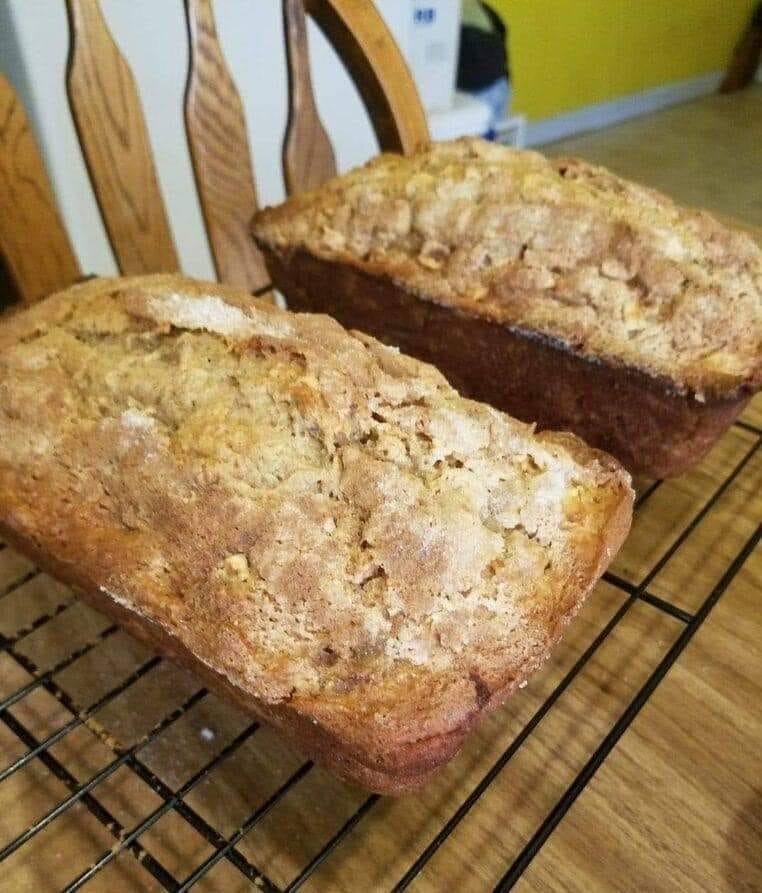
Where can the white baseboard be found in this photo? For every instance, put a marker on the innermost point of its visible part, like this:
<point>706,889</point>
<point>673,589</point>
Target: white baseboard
<point>593,117</point>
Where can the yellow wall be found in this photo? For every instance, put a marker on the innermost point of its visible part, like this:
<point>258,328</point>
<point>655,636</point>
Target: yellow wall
<point>566,54</point>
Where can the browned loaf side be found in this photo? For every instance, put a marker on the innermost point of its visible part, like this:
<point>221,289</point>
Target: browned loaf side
<point>552,289</point>
<point>319,527</point>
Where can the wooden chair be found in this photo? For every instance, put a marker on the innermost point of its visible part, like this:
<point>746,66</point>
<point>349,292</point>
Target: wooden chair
<point>35,250</point>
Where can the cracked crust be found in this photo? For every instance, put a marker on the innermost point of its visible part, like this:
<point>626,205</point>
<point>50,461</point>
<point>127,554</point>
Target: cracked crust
<point>318,526</point>
<point>641,420</point>
<point>611,270</point>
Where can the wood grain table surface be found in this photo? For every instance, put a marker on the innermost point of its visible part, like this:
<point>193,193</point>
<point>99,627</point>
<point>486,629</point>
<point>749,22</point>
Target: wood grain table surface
<point>632,761</point>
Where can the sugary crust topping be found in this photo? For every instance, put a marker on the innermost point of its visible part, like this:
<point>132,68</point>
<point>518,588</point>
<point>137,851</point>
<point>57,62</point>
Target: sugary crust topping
<point>556,246</point>
<point>306,509</point>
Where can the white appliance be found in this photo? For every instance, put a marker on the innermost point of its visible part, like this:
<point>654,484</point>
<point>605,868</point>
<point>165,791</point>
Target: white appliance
<point>432,50</point>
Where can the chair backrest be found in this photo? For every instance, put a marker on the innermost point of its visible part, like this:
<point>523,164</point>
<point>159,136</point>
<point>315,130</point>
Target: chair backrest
<point>36,252</point>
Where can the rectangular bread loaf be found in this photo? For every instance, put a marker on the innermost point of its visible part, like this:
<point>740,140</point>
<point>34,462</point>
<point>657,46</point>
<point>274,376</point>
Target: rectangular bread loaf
<point>550,288</point>
<point>318,526</point>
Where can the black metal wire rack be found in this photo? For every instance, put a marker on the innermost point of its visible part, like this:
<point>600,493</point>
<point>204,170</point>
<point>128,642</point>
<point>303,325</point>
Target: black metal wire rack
<point>37,743</point>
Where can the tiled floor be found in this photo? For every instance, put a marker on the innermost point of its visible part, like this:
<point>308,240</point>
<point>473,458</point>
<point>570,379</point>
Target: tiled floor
<point>706,153</point>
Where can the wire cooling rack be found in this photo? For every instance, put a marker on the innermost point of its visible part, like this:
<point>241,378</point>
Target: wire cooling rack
<point>119,773</point>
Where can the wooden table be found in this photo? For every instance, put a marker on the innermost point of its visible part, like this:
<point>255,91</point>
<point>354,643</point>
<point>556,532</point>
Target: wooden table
<point>631,762</point>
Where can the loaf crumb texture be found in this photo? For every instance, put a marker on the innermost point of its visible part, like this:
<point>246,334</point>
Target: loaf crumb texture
<point>319,518</point>
<point>614,270</point>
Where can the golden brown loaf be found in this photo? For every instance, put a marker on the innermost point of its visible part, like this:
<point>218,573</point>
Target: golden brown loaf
<point>318,525</point>
<point>614,270</point>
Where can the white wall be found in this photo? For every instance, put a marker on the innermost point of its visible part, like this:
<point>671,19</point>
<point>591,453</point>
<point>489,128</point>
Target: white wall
<point>152,36</point>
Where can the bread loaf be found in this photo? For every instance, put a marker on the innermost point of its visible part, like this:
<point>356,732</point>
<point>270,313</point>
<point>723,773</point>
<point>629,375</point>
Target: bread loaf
<point>550,288</point>
<point>317,525</point>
